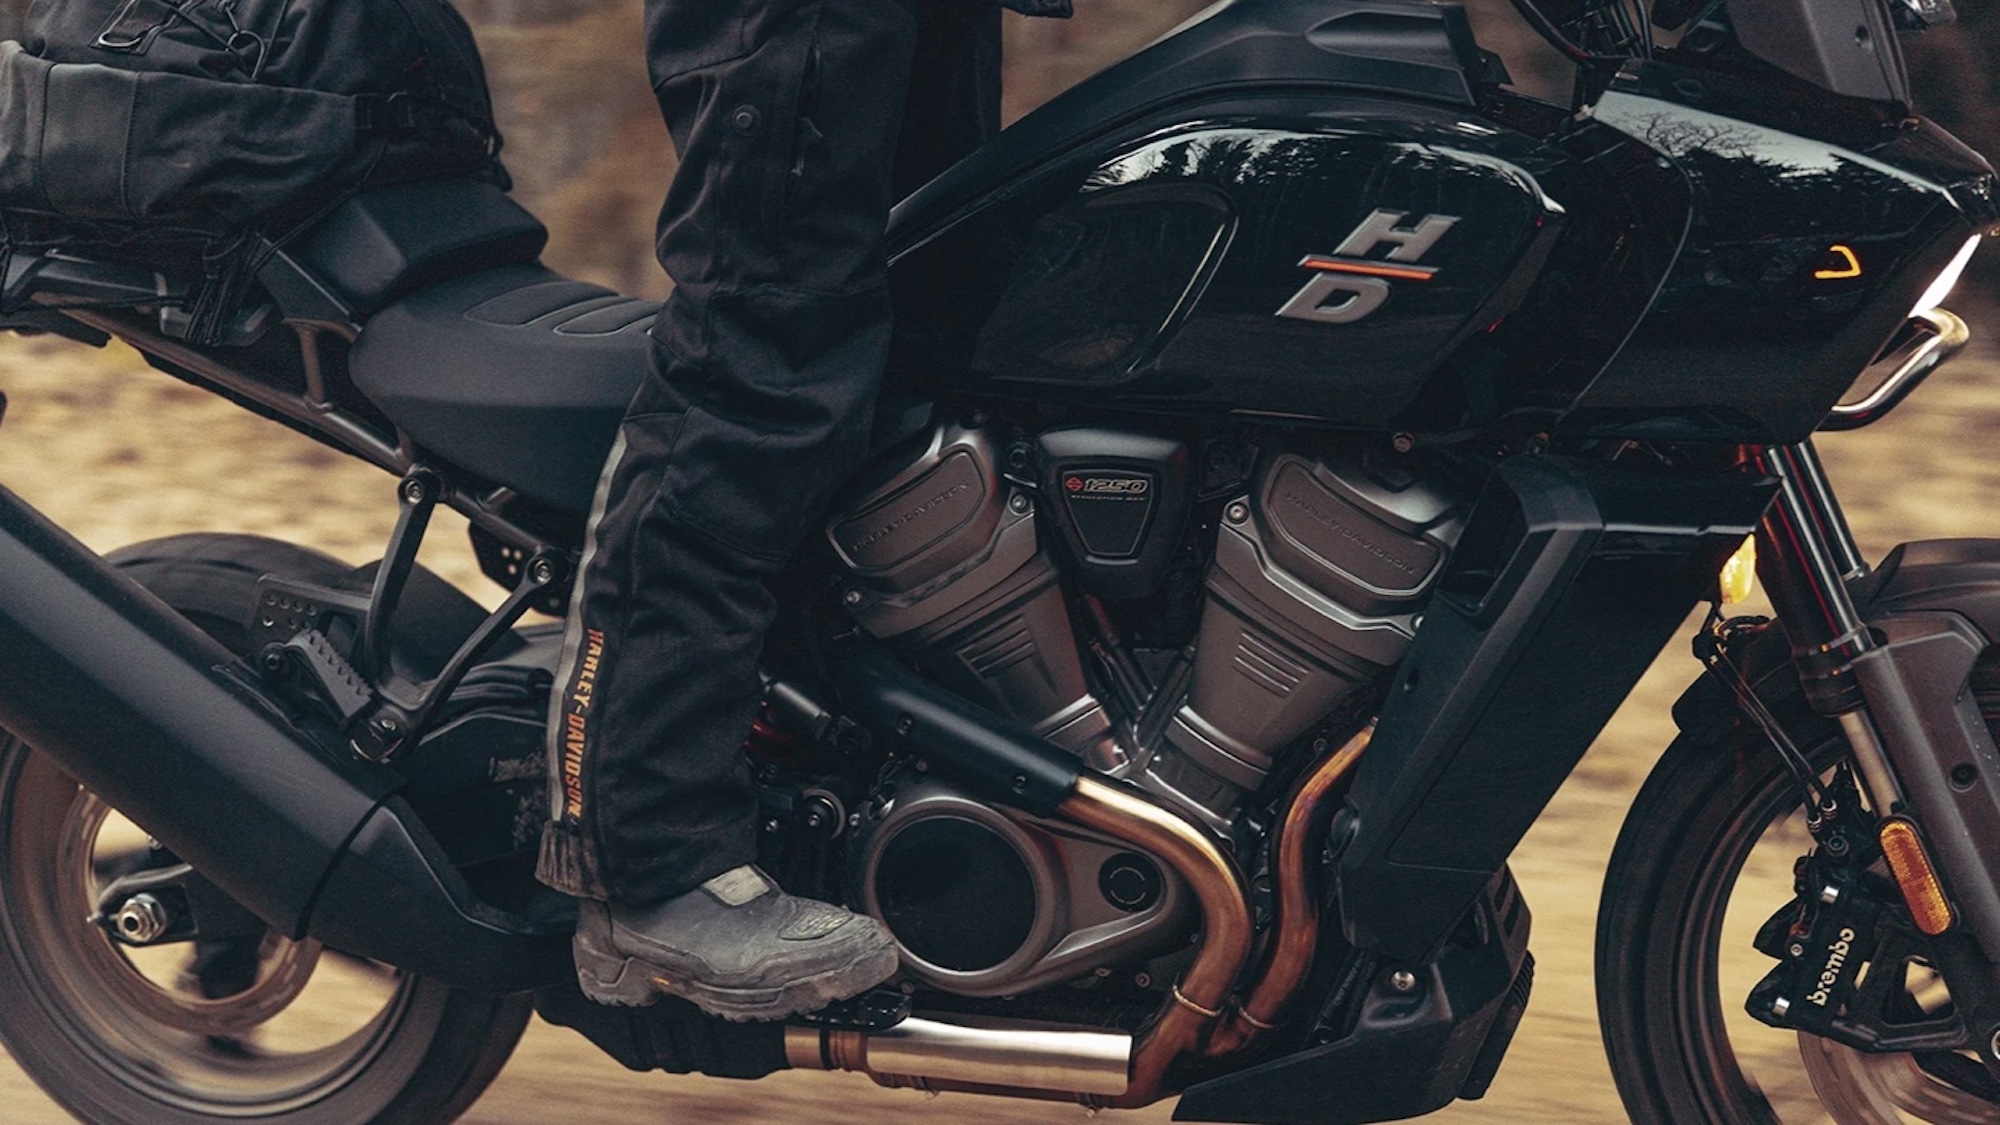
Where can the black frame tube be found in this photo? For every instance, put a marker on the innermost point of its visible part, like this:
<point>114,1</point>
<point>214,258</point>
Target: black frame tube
<point>991,756</point>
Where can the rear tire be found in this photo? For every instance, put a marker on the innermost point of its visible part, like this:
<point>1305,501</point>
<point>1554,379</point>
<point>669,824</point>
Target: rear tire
<point>125,1035</point>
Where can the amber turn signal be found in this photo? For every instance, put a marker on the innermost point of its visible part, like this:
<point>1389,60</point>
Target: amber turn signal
<point>1739,575</point>
<point>1904,850</point>
<point>1840,262</point>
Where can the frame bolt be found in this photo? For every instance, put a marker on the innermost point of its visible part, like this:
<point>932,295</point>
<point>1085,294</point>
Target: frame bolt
<point>1403,980</point>
<point>541,571</point>
<point>141,920</point>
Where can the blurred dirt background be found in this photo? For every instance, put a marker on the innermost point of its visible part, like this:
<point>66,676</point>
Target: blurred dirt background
<point>118,454</point>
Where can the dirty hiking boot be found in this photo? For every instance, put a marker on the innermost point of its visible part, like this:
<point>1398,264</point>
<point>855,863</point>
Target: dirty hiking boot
<point>736,946</point>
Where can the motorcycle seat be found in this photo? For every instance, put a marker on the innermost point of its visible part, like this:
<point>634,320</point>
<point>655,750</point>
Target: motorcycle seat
<point>516,374</point>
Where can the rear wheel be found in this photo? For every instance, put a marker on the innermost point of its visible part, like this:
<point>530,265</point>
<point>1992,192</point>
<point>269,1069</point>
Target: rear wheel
<point>1705,857</point>
<point>254,1028</point>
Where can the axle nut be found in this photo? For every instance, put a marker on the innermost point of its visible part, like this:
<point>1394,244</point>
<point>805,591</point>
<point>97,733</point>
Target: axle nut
<point>141,920</point>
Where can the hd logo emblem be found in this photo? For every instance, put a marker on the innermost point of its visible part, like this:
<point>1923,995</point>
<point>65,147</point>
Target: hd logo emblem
<point>1349,285</point>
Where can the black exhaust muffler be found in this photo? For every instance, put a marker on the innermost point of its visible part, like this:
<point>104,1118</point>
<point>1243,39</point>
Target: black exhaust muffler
<point>156,718</point>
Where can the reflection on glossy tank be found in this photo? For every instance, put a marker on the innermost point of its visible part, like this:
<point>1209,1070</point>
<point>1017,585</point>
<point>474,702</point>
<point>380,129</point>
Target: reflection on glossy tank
<point>1325,215</point>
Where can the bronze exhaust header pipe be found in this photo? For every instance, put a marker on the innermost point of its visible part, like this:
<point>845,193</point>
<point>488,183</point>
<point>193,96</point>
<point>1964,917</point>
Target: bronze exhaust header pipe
<point>1002,763</point>
<point>1295,933</point>
<point>1198,999</point>
<point>1103,1068</point>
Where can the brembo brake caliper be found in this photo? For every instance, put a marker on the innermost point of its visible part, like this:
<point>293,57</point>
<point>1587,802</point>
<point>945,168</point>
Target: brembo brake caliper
<point>1845,947</point>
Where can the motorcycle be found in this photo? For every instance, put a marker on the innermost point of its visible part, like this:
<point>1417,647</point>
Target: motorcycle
<point>1297,445</point>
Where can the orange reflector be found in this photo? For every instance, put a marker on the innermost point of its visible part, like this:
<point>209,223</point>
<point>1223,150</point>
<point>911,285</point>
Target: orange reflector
<point>1904,850</point>
<point>1739,574</point>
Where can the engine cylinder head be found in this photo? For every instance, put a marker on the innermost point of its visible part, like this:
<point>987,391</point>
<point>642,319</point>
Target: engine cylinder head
<point>1320,574</point>
<point>945,563</point>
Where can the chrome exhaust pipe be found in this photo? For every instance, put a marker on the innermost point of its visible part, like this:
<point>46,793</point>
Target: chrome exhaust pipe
<point>933,1055</point>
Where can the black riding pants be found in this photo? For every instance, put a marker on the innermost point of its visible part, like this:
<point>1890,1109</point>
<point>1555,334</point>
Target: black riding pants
<point>788,116</point>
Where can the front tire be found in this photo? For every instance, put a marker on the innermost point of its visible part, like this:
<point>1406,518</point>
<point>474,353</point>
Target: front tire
<point>1705,856</point>
<point>290,1032</point>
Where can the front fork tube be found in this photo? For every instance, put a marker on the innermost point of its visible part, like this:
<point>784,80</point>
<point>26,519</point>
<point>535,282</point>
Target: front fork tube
<point>1897,685</point>
<point>1806,555</point>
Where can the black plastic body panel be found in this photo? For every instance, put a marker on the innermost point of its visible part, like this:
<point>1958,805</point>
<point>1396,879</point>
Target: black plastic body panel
<point>1647,270</point>
<point>1847,46</point>
<point>1570,578</point>
<point>390,241</point>
<point>1745,340</point>
<point>149,713</point>
<point>1148,271</point>
<point>1421,50</point>
<point>1407,1053</point>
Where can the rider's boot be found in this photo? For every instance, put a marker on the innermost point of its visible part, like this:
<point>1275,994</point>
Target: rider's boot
<point>736,946</point>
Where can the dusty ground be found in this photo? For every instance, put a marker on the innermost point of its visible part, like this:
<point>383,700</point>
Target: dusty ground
<point>118,454</point>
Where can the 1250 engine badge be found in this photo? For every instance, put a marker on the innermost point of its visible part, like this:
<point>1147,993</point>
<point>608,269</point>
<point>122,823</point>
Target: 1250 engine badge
<point>1349,285</point>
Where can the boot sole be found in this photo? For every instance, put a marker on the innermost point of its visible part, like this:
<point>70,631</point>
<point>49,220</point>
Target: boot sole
<point>630,982</point>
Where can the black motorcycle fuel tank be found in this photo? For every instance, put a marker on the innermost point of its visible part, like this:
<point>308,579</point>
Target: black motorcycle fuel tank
<point>1289,208</point>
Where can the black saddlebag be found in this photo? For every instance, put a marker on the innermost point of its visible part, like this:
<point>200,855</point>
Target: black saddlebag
<point>169,130</point>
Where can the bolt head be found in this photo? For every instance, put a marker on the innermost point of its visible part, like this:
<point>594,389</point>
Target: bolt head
<point>541,572</point>
<point>1993,1045</point>
<point>1829,894</point>
<point>414,491</point>
<point>1404,442</point>
<point>1237,513</point>
<point>1020,505</point>
<point>852,597</point>
<point>1797,950</point>
<point>1403,980</point>
<point>1780,1006</point>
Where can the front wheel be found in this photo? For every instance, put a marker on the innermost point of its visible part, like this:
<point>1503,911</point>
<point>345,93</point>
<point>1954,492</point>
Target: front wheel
<point>1706,856</point>
<point>249,1029</point>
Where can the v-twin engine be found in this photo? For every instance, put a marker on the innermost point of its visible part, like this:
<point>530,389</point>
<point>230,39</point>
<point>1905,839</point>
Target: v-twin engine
<point>1318,573</point>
